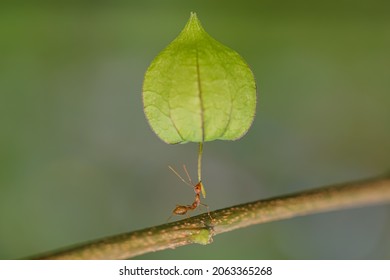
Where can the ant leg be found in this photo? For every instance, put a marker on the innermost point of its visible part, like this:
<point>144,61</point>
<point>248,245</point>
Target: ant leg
<point>170,217</point>
<point>208,210</point>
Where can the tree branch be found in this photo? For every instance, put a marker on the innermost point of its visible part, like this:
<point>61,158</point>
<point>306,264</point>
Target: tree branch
<point>201,229</point>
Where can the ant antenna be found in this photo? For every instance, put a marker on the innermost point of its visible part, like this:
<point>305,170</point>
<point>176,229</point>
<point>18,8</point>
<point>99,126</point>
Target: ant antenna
<point>188,175</point>
<point>189,183</point>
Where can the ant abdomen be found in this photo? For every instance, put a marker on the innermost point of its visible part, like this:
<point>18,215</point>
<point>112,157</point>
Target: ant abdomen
<point>180,210</point>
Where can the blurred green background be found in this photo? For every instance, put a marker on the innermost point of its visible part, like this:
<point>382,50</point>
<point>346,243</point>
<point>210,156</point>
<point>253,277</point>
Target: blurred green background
<point>78,160</point>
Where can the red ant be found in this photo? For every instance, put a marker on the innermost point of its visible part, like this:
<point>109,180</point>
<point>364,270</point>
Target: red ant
<point>198,188</point>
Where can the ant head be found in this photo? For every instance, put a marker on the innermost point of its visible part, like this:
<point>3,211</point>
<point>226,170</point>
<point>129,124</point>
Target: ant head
<point>198,188</point>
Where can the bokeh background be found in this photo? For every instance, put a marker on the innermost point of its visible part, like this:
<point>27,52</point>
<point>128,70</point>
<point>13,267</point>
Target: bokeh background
<point>78,160</point>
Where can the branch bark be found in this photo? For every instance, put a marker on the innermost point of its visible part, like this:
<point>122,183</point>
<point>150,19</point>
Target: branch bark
<point>201,229</point>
